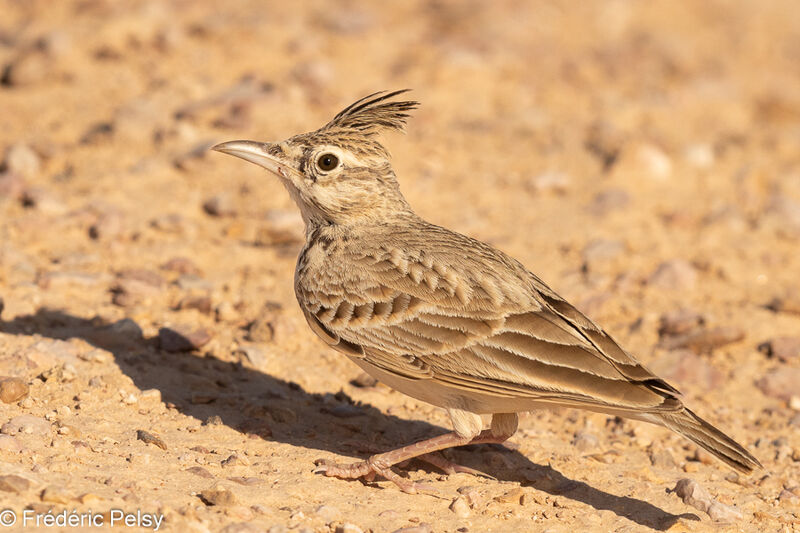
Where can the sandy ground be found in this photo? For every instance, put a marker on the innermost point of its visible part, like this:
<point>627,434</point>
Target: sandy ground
<point>642,157</point>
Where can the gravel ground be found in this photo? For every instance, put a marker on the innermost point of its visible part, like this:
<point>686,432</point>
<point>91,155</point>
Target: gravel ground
<point>642,157</point>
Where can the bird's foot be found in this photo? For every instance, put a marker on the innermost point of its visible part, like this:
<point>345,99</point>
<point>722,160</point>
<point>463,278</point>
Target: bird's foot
<point>449,467</point>
<point>367,470</point>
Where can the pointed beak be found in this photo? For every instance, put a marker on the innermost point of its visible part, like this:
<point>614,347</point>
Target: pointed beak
<point>255,152</point>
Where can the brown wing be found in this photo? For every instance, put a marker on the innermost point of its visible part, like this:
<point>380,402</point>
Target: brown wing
<point>477,321</point>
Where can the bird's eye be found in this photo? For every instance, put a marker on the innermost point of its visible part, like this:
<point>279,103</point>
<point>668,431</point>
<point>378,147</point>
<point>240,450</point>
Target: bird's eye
<point>327,162</point>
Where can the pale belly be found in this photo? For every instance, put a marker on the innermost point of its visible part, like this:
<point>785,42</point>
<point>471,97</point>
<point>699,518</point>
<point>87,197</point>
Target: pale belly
<point>442,395</point>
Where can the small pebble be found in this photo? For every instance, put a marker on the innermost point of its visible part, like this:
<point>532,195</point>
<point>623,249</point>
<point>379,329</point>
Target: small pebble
<point>149,438</point>
<point>327,512</point>
<point>363,381</point>
<point>679,322</point>
<point>235,460</point>
<point>242,527</point>
<point>27,424</point>
<point>780,383</point>
<point>676,274</point>
<point>585,441</point>
<point>14,483</point>
<point>219,206</point>
<point>347,527</point>
<point>21,159</point>
<point>281,227</point>
<point>219,496</point>
<point>784,349</point>
<point>9,444</point>
<point>12,389</point>
<point>55,494</point>
<point>609,200</point>
<point>460,507</point>
<point>704,340</point>
<point>200,471</point>
<point>183,338</point>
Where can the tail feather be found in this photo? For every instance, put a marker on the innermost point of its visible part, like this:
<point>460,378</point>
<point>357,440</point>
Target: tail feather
<point>691,426</point>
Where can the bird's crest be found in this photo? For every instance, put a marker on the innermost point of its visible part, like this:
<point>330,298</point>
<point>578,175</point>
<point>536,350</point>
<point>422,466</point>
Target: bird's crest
<point>372,114</point>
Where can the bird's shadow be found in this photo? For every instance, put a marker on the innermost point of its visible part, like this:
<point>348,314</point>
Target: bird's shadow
<point>206,388</point>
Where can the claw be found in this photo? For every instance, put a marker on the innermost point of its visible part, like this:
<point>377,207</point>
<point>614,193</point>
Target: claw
<point>366,470</point>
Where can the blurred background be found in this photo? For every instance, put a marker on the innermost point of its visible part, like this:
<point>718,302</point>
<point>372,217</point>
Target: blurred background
<point>642,157</point>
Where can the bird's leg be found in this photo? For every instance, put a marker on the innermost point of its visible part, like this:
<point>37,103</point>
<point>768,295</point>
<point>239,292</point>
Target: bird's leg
<point>449,467</point>
<point>381,463</point>
<point>503,426</point>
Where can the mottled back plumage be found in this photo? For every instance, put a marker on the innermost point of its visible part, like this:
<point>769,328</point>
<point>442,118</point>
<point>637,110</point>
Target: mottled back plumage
<point>440,316</point>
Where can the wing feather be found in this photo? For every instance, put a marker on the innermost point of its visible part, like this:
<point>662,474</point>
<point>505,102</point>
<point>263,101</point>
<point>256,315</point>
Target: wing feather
<point>479,323</point>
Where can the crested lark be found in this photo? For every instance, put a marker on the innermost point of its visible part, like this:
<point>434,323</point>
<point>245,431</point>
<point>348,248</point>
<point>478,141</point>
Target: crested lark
<point>439,316</point>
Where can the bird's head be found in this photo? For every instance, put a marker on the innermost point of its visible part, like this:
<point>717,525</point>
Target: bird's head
<point>340,173</point>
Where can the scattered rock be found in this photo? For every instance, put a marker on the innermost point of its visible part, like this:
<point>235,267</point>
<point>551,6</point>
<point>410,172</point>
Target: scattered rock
<point>254,353</point>
<point>676,274</point>
<point>347,527</point>
<point>609,200</point>
<point>703,340</point>
<point>700,155</point>
<point>20,159</point>
<point>787,496</point>
<point>43,200</point>
<point>226,312</point>
<point>363,381</point>
<point>262,329</point>
<point>784,349</point>
<point>282,226</point>
<point>12,185</point>
<point>685,367</point>
<point>460,507</point>
<point>49,352</point>
<point>555,182</point>
<point>604,141</point>
<point>182,265</point>
<point>108,226</point>
<point>14,483</point>
<point>149,438</point>
<point>512,496</point>
<point>135,288</point>
<point>782,214</point>
<point>192,282</point>
<point>601,251</point>
<point>235,460</point>
<point>219,496</point>
<point>787,303</point>
<point>242,527</point>
<point>695,495</point>
<point>26,424</point>
<point>55,494</point>
<point>679,322</point>
<point>62,373</point>
<point>220,206</point>
<point>585,441</point>
<point>653,162</point>
<point>200,302</point>
<point>421,528</point>
<point>780,383</point>
<point>327,512</point>
<point>662,459</point>
<point>343,410</point>
<point>200,471</point>
<point>183,338</point>
<point>12,389</point>
<point>9,444</point>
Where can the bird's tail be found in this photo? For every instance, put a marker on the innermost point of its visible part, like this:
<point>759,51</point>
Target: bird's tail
<point>691,426</point>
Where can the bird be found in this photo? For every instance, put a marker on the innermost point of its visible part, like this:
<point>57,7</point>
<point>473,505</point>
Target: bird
<point>440,316</point>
